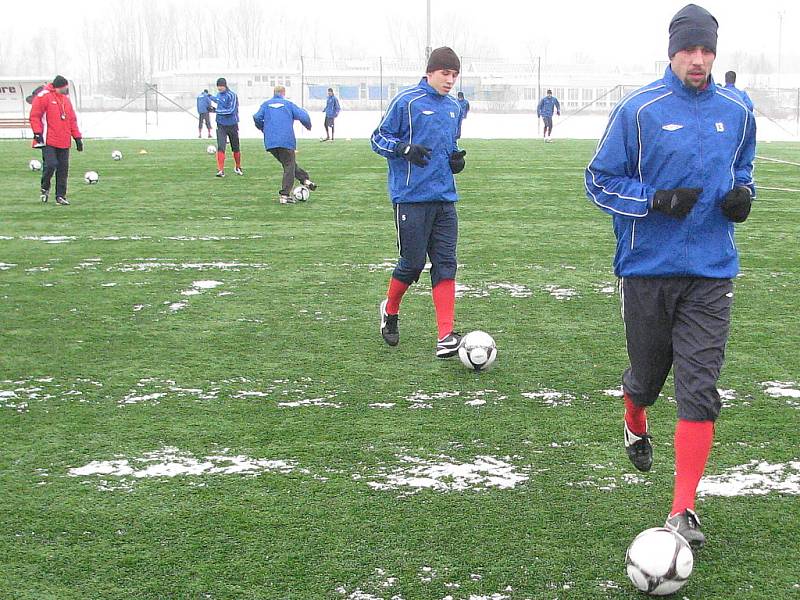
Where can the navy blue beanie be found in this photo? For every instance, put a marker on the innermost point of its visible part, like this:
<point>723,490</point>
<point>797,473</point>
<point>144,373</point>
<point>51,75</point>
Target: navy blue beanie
<point>692,26</point>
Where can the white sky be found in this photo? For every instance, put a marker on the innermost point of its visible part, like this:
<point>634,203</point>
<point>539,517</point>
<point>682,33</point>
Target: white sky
<point>608,32</point>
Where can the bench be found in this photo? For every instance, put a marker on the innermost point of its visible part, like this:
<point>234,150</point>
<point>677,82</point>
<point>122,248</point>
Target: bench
<point>16,123</point>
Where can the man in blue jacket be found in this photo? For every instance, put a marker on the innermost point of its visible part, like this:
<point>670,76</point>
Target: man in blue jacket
<point>464,104</point>
<point>276,119</point>
<point>674,169</point>
<point>730,84</point>
<point>227,126</point>
<point>204,107</point>
<point>418,137</point>
<point>331,110</point>
<point>545,110</point>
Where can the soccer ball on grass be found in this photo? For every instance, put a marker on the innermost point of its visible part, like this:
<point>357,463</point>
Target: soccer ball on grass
<point>35,165</point>
<point>116,155</point>
<point>91,177</point>
<point>211,149</point>
<point>478,351</point>
<point>659,561</point>
<point>301,193</point>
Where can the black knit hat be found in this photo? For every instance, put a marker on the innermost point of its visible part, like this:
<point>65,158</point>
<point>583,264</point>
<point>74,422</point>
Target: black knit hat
<point>222,81</point>
<point>60,82</point>
<point>443,58</point>
<point>692,26</point>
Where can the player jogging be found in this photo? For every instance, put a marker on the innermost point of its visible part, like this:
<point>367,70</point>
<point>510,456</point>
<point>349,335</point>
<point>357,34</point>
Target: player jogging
<point>276,119</point>
<point>418,137</point>
<point>51,106</point>
<point>545,110</point>
<point>674,169</point>
<point>227,126</point>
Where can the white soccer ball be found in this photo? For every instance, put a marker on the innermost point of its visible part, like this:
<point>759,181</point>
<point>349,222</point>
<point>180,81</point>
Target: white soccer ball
<point>301,193</point>
<point>116,155</point>
<point>35,165</point>
<point>659,561</point>
<point>211,149</point>
<point>91,177</point>
<point>478,351</point>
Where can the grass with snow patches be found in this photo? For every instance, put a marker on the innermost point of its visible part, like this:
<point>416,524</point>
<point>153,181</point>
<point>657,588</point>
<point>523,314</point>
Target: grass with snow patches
<point>195,401</point>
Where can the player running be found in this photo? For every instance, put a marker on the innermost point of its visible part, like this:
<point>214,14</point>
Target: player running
<point>545,110</point>
<point>227,111</point>
<point>276,119</point>
<point>418,137</point>
<point>674,169</point>
<point>52,106</point>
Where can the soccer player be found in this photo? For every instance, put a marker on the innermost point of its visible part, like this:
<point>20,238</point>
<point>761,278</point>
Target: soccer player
<point>331,110</point>
<point>730,84</point>
<point>545,111</point>
<point>418,137</point>
<point>464,104</point>
<point>276,119</point>
<point>203,108</point>
<point>53,107</point>
<point>227,110</point>
<point>674,169</point>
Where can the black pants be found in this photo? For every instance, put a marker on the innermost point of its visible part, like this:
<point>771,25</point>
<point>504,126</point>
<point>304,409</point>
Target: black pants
<point>204,119</point>
<point>329,123</point>
<point>291,170</point>
<point>226,132</point>
<point>678,323</point>
<point>548,125</point>
<point>426,229</point>
<point>56,160</point>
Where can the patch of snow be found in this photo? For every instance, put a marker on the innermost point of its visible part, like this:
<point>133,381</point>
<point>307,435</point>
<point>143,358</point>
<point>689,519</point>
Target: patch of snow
<point>755,478</point>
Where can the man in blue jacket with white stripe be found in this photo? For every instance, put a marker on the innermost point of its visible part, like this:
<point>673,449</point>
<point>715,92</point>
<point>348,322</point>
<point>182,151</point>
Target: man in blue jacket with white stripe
<point>545,109</point>
<point>203,108</point>
<point>276,119</point>
<point>730,84</point>
<point>674,169</point>
<point>227,126</point>
<point>418,137</point>
<point>331,111</point>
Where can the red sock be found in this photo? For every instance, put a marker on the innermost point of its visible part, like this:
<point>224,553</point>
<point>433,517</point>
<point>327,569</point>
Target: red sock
<point>395,294</point>
<point>237,158</point>
<point>220,160</point>
<point>444,301</point>
<point>692,446</point>
<point>635,416</point>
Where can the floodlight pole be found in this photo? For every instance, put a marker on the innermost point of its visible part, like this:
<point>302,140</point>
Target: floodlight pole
<point>428,48</point>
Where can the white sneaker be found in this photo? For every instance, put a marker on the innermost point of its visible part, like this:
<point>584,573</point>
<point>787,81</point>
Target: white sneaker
<point>220,173</point>
<point>238,171</point>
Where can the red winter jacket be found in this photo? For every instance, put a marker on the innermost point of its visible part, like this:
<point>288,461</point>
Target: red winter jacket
<point>62,123</point>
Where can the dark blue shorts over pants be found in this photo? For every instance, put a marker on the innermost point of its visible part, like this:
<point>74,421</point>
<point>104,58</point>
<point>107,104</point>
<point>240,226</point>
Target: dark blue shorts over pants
<point>426,229</point>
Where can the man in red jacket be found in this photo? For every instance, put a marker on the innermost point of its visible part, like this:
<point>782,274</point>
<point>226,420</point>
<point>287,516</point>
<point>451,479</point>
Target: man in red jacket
<point>52,105</point>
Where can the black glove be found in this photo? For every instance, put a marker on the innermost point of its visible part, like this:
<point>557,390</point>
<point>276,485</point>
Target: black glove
<point>79,144</point>
<point>457,162</point>
<point>736,204</point>
<point>212,109</point>
<point>676,203</point>
<point>260,127</point>
<point>38,140</point>
<point>413,153</point>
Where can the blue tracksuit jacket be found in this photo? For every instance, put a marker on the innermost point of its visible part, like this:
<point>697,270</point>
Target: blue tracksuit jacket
<point>276,119</point>
<point>227,107</point>
<point>203,103</point>
<point>664,136</point>
<point>546,106</point>
<point>420,115</point>
<point>464,104</point>
<point>332,107</point>
<point>742,94</point>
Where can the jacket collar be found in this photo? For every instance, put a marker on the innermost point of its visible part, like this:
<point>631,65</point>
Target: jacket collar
<point>423,83</point>
<point>682,90</point>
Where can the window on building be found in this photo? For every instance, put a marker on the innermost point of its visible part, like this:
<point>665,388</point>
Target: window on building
<point>573,94</point>
<point>529,94</point>
<point>362,91</point>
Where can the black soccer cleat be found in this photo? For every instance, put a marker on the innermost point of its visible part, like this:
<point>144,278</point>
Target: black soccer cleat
<point>44,195</point>
<point>448,346</point>
<point>310,185</point>
<point>62,201</point>
<point>389,329</point>
<point>639,449</point>
<point>687,524</point>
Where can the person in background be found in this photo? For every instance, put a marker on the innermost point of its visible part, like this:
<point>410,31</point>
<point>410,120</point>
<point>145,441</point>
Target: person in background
<point>227,110</point>
<point>730,84</point>
<point>331,110</point>
<point>204,107</point>
<point>52,107</point>
<point>464,104</point>
<point>545,110</point>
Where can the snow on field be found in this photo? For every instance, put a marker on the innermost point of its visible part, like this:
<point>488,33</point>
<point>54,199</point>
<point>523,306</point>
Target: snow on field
<point>172,462</point>
<point>423,399</point>
<point>551,398</point>
<point>782,389</point>
<point>446,474</point>
<point>163,264</point>
<point>755,478</point>
<point>561,293</point>
<point>198,287</point>
<point>6,266</point>
<point>18,394</point>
